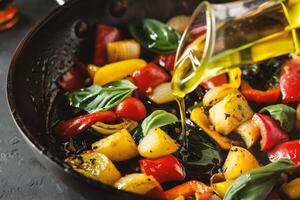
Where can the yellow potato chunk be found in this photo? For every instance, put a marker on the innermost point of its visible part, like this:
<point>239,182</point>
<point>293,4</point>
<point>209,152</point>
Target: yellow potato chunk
<point>216,94</point>
<point>117,147</point>
<point>238,161</point>
<point>137,183</point>
<point>249,132</point>
<point>229,113</point>
<point>157,143</point>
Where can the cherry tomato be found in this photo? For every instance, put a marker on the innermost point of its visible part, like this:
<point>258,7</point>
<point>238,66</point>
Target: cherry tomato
<point>131,108</point>
<point>166,61</point>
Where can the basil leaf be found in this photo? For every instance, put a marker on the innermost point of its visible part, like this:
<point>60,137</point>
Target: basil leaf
<point>157,119</point>
<point>284,114</point>
<point>257,183</point>
<point>101,98</point>
<point>155,35</point>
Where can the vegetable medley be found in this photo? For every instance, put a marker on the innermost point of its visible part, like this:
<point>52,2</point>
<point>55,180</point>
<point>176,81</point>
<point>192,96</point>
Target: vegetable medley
<point>242,126</point>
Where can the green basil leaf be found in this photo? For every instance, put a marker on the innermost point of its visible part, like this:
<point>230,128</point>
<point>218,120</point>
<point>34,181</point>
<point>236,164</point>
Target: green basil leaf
<point>284,114</point>
<point>157,119</point>
<point>257,183</point>
<point>101,98</point>
<point>155,35</point>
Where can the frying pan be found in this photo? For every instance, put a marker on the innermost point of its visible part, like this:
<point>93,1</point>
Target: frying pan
<point>59,41</point>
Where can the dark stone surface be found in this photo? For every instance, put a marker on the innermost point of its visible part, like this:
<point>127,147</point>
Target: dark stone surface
<point>21,175</point>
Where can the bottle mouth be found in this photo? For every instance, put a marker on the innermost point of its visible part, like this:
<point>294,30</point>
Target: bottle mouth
<point>201,30</point>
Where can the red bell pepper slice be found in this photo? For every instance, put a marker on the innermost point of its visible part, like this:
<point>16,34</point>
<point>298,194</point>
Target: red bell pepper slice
<point>74,78</point>
<point>215,81</point>
<point>290,81</point>
<point>269,96</point>
<point>164,169</point>
<point>167,61</point>
<point>270,133</point>
<point>157,193</point>
<point>104,35</point>
<point>70,128</point>
<point>190,188</point>
<point>289,150</point>
<point>149,77</point>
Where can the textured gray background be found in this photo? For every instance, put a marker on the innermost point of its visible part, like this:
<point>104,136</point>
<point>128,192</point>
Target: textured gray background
<point>21,175</point>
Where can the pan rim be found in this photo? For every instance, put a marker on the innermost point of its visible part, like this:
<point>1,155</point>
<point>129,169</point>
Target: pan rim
<point>17,119</point>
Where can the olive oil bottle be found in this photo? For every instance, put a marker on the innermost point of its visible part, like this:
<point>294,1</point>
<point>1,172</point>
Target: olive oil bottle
<point>229,35</point>
<point>264,30</point>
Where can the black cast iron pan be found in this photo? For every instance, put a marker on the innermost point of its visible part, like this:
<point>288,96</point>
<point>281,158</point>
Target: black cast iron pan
<point>62,39</point>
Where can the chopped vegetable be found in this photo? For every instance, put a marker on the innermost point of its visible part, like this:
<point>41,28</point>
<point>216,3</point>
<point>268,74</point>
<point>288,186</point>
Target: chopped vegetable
<point>108,129</point>
<point>96,166</point>
<point>118,70</point>
<point>166,61</point>
<point>101,98</point>
<point>155,35</point>
<point>104,35</point>
<point>189,188</point>
<point>179,23</point>
<point>137,183</point>
<point>123,50</point>
<point>290,81</point>
<point>270,133</point>
<point>289,150</point>
<point>292,189</point>
<point>249,132</point>
<point>74,79</point>
<point>162,94</point>
<point>92,69</point>
<point>221,187</point>
<point>131,108</point>
<point>269,96</point>
<point>215,81</point>
<point>157,119</point>
<point>284,114</point>
<point>149,77</point>
<point>298,117</point>
<point>117,147</point>
<point>257,183</point>
<point>156,144</point>
<point>216,94</point>
<point>68,129</point>
<point>164,169</point>
<point>230,113</point>
<point>238,162</point>
<point>235,77</point>
<point>198,116</point>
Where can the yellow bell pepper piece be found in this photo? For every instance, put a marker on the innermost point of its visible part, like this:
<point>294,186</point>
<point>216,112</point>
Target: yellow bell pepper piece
<point>292,189</point>
<point>235,77</point>
<point>198,116</point>
<point>117,70</point>
<point>92,69</point>
<point>221,187</point>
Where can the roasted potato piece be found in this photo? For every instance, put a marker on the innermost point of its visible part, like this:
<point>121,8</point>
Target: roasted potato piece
<point>216,94</point>
<point>238,161</point>
<point>117,147</point>
<point>95,165</point>
<point>292,189</point>
<point>157,143</point>
<point>179,23</point>
<point>249,132</point>
<point>137,183</point>
<point>229,113</point>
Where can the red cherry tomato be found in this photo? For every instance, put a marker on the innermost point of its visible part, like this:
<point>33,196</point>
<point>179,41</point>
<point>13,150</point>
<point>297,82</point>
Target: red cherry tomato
<point>131,108</point>
<point>167,61</point>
